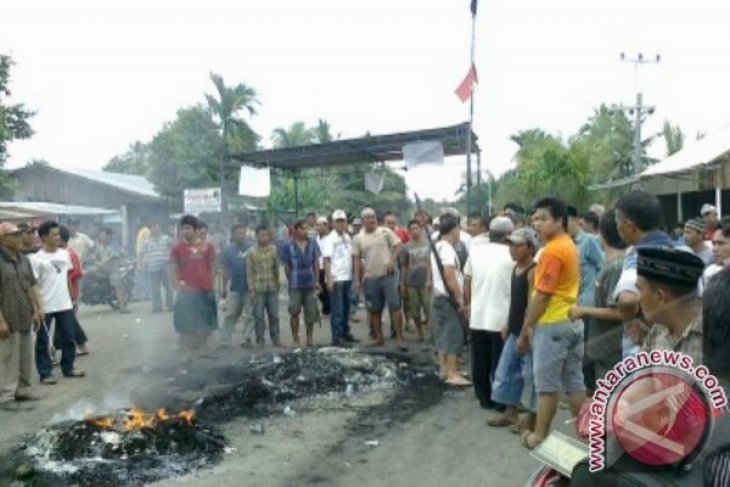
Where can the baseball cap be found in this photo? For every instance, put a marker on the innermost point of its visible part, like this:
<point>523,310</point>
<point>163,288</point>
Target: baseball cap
<point>707,208</point>
<point>339,215</point>
<point>322,220</point>
<point>501,224</point>
<point>450,210</point>
<point>8,229</point>
<point>357,221</point>
<point>523,236</point>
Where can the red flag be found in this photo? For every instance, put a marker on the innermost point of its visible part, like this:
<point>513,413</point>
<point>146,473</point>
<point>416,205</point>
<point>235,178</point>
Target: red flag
<point>465,88</point>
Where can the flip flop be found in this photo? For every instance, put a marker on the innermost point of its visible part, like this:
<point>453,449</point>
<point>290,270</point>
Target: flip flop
<point>500,422</point>
<point>460,382</point>
<point>529,441</point>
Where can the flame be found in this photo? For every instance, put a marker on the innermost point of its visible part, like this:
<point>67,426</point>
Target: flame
<point>162,415</point>
<point>104,422</point>
<point>136,419</point>
<point>186,416</point>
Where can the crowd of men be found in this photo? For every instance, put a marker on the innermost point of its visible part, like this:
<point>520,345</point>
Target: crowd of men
<point>546,301</point>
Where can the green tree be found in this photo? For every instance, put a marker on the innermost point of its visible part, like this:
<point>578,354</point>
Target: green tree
<point>14,123</point>
<point>322,132</point>
<point>134,161</point>
<point>186,153</point>
<point>297,134</point>
<point>673,137</point>
<point>226,106</point>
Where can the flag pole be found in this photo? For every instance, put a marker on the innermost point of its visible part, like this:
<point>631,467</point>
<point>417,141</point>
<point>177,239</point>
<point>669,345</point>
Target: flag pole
<point>471,110</point>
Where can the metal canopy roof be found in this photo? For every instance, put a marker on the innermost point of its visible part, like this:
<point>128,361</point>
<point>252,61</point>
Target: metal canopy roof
<point>373,148</point>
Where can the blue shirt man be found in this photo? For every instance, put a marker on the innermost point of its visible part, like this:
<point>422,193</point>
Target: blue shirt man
<point>299,263</point>
<point>239,299</point>
<point>234,262</point>
<point>591,261</point>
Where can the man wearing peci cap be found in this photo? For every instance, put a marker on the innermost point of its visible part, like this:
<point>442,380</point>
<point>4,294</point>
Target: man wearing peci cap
<point>487,278</point>
<point>711,218</point>
<point>694,237</point>
<point>20,311</point>
<point>667,282</point>
<point>337,254</point>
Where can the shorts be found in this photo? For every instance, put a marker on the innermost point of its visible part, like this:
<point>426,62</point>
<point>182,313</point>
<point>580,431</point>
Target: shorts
<point>304,298</point>
<point>418,303</point>
<point>447,329</point>
<point>380,291</point>
<point>558,357</point>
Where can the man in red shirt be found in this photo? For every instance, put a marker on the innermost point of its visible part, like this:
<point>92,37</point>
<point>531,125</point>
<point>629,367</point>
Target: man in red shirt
<point>74,277</point>
<point>390,221</point>
<point>193,266</point>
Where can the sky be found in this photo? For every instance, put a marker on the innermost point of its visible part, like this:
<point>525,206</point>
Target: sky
<point>102,75</point>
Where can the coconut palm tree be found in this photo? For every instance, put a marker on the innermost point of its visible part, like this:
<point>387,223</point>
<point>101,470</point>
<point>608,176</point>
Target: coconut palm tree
<point>296,135</point>
<point>226,106</point>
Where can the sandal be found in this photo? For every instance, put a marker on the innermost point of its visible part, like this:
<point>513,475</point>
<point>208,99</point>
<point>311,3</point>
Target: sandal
<point>75,373</point>
<point>501,422</point>
<point>458,382</point>
<point>529,440</point>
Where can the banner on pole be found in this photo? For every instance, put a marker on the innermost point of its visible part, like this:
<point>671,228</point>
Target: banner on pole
<point>374,182</point>
<point>423,152</point>
<point>202,200</point>
<point>254,182</point>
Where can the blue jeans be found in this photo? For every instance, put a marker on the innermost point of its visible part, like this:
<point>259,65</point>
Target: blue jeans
<point>65,324</point>
<point>508,381</point>
<point>529,395</point>
<point>269,302</point>
<point>340,318</point>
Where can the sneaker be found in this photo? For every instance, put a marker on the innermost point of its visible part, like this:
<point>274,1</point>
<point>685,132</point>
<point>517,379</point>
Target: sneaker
<point>49,381</point>
<point>75,374</point>
<point>26,397</point>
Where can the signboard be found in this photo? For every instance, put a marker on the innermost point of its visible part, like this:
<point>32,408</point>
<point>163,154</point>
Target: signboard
<point>203,200</point>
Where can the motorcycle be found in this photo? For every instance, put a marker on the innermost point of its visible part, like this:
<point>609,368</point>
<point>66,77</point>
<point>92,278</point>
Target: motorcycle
<point>96,287</point>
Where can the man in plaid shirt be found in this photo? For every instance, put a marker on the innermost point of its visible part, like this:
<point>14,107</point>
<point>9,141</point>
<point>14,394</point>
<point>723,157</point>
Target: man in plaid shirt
<point>262,269</point>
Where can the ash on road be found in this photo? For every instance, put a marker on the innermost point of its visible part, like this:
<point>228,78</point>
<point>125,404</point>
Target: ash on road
<point>352,423</point>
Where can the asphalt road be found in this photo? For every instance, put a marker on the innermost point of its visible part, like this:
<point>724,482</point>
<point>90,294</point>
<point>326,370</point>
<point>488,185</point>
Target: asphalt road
<point>134,360</point>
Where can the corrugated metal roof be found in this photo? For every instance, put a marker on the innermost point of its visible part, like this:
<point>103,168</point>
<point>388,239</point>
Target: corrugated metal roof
<point>127,182</point>
<point>54,208</point>
<point>695,154</point>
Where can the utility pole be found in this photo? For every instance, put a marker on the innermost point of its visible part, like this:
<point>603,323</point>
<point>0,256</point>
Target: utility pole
<point>639,111</point>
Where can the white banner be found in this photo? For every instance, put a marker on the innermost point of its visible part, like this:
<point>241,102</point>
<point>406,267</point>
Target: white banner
<point>374,182</point>
<point>254,182</point>
<point>203,200</point>
<point>423,152</point>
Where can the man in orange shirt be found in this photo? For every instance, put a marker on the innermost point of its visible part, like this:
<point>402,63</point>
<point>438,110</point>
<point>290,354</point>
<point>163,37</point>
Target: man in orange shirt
<point>556,341</point>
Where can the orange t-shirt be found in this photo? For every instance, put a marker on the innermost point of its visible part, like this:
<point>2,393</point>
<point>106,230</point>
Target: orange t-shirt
<point>558,274</point>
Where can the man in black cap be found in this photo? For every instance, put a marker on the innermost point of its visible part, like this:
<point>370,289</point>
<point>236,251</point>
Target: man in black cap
<point>667,282</point>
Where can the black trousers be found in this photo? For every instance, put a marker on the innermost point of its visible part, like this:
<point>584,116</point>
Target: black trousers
<point>80,336</point>
<point>324,295</point>
<point>486,347</point>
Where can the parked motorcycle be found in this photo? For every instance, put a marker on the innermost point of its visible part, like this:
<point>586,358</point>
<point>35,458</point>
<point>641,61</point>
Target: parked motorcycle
<point>96,287</point>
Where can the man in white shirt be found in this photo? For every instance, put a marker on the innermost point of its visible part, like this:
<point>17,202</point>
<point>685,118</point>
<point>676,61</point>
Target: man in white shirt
<point>79,242</point>
<point>337,255</point>
<point>487,291</point>
<point>51,266</point>
<point>447,324</point>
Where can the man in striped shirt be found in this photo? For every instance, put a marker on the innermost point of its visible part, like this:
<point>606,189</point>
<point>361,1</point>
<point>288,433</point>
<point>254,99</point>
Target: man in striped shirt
<point>155,259</point>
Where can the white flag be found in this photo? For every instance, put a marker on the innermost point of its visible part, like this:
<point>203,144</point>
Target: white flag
<point>254,182</point>
<point>423,152</point>
<point>374,182</point>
